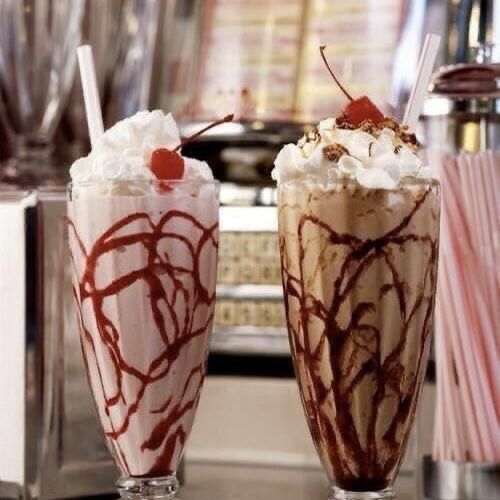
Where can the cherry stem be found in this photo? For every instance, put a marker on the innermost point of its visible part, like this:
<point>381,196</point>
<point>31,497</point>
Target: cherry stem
<point>186,140</point>
<point>322,50</point>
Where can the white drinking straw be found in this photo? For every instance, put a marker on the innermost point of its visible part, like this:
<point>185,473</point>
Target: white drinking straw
<point>424,73</point>
<point>90,93</point>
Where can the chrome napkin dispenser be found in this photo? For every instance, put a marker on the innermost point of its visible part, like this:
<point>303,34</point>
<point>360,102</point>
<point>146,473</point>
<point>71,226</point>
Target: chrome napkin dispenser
<point>50,442</point>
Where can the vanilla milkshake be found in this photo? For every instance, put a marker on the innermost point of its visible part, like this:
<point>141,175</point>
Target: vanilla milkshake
<point>358,224</point>
<point>143,232</point>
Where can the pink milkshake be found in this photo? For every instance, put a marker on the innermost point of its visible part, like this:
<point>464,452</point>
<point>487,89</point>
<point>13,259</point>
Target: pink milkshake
<point>144,258</point>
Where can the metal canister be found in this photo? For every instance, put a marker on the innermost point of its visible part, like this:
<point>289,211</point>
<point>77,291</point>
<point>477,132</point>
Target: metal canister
<point>446,480</point>
<point>463,109</point>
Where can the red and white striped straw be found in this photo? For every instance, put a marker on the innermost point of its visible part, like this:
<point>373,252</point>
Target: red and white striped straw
<point>467,314</point>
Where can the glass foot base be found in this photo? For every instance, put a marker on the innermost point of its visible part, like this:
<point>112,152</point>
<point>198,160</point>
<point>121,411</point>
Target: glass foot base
<point>340,494</point>
<point>159,488</point>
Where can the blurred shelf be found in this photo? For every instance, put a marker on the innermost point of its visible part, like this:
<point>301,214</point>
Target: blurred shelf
<point>248,219</point>
<point>235,194</point>
<point>247,291</point>
<point>243,132</point>
<point>250,340</point>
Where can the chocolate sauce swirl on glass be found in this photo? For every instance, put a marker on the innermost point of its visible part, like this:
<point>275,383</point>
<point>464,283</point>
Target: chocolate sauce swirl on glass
<point>359,270</point>
<point>146,381</point>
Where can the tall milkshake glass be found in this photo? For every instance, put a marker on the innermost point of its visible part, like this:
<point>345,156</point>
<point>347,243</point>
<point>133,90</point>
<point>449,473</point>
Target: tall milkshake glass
<point>144,257</point>
<point>359,227</point>
<point>359,276</point>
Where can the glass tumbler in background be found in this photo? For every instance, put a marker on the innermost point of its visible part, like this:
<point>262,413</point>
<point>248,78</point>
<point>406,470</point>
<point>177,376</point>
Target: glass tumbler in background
<point>125,69</point>
<point>101,23</point>
<point>130,78</point>
<point>38,43</point>
<point>359,270</point>
<point>144,261</point>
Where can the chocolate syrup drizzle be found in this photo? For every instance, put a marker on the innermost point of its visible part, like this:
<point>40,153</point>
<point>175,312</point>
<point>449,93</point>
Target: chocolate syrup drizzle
<point>168,434</point>
<point>353,466</point>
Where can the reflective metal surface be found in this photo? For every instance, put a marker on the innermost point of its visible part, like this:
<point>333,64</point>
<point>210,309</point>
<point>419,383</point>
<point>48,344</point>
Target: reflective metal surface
<point>453,125</point>
<point>17,339</point>
<point>50,443</point>
<point>472,29</point>
<point>452,481</point>
<point>463,110</point>
<point>74,458</point>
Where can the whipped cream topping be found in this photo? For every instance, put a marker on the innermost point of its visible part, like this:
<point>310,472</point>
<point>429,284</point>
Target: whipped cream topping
<point>376,157</point>
<point>124,151</point>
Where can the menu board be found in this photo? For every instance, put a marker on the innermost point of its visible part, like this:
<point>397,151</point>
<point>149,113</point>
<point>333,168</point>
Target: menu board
<point>249,58</point>
<point>361,38</point>
<point>260,58</point>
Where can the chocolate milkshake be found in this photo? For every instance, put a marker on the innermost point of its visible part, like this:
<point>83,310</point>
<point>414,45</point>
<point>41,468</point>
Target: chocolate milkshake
<point>143,233</point>
<point>359,274</point>
<point>358,225</point>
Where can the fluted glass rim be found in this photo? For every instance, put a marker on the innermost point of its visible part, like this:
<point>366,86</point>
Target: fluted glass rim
<point>142,182</point>
<point>346,181</point>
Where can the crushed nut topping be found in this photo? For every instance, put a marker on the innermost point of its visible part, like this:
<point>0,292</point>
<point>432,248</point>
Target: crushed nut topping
<point>390,123</point>
<point>368,126</point>
<point>408,138</point>
<point>313,135</point>
<point>343,123</point>
<point>402,132</point>
<point>333,152</point>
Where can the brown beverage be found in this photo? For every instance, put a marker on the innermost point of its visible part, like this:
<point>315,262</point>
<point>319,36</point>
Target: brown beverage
<point>359,270</point>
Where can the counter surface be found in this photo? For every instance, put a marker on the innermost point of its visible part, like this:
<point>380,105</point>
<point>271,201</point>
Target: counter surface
<point>224,482</point>
<point>238,482</point>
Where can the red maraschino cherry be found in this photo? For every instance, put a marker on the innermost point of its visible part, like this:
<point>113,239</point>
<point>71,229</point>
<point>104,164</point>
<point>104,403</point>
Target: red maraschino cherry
<point>168,165</point>
<point>358,110</point>
<point>361,109</point>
